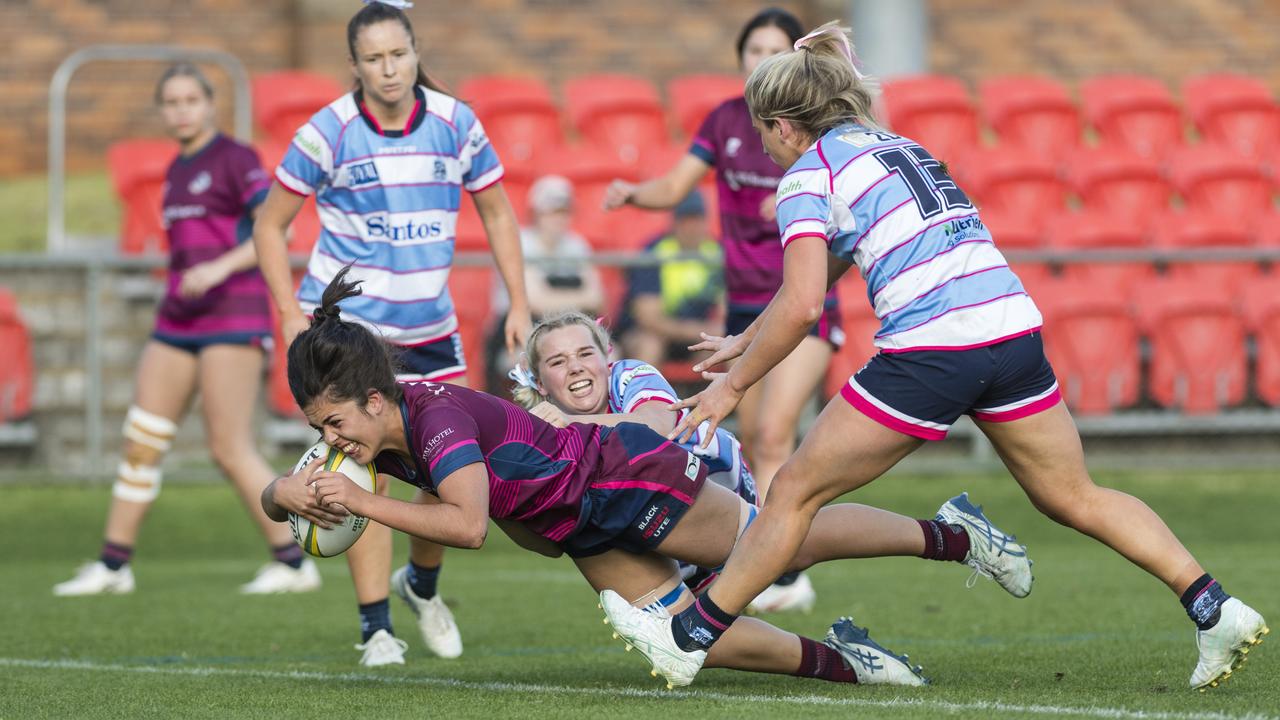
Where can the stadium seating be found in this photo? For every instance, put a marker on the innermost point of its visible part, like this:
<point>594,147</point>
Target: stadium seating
<point>860,327</point>
<point>619,112</point>
<point>1198,360</point>
<point>1117,180</point>
<point>1032,112</point>
<point>1259,305</point>
<point>591,170</point>
<point>1219,179</point>
<point>1092,343</point>
<point>472,291</point>
<point>693,97</point>
<point>17,372</point>
<point>1133,111</point>
<point>935,111</point>
<point>1234,110</point>
<point>1206,230</point>
<point>1101,231</point>
<point>138,170</point>
<point>520,117</point>
<point>284,101</point>
<point>1010,180</point>
<point>1013,230</point>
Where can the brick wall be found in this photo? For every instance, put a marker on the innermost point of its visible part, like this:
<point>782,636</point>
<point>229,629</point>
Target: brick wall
<point>558,39</point>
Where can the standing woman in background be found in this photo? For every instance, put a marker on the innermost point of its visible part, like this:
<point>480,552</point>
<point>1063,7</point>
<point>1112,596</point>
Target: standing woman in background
<point>746,180</point>
<point>388,163</point>
<point>209,334</point>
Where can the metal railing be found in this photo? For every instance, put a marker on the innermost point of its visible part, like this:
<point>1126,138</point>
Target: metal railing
<point>57,228</point>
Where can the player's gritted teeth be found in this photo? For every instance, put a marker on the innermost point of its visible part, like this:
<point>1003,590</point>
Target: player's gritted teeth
<point>581,388</point>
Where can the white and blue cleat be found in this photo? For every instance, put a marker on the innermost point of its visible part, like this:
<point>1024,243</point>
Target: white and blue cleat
<point>870,661</point>
<point>992,553</point>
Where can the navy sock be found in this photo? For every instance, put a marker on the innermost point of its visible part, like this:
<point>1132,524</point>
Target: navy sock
<point>375,616</point>
<point>423,580</point>
<point>787,579</point>
<point>943,541</point>
<point>698,626</point>
<point>1203,601</point>
<point>290,554</point>
<point>115,556</point>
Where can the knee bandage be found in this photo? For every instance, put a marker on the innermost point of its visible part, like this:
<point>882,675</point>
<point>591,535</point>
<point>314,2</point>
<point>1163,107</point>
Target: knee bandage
<point>668,594</point>
<point>150,437</point>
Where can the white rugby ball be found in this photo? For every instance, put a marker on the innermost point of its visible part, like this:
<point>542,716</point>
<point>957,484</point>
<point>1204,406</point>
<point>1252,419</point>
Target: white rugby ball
<point>322,542</point>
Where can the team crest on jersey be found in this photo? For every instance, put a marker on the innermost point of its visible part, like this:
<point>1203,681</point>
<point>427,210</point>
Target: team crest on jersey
<point>200,183</point>
<point>440,172</point>
<point>732,146</point>
<point>363,174</point>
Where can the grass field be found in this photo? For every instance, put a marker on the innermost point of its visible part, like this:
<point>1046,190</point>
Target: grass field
<point>1096,639</point>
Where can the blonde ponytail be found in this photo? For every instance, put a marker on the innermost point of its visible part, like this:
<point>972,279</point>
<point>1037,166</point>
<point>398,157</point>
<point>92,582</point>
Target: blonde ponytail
<point>816,87</point>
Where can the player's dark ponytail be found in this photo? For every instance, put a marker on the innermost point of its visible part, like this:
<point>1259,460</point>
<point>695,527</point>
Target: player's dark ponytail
<point>376,12</point>
<point>339,360</point>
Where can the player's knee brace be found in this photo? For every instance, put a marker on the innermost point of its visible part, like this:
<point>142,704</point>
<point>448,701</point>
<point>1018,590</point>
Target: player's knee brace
<point>149,437</point>
<point>669,594</point>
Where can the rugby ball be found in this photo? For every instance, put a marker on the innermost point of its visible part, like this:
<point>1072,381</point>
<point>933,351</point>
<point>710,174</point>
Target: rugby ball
<point>322,542</point>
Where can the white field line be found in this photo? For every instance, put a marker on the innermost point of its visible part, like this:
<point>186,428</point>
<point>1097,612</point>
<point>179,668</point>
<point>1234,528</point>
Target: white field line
<point>903,703</point>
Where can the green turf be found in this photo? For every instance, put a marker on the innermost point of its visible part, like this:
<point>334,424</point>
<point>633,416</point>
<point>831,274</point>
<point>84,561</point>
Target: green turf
<point>1097,638</point>
<point>91,209</point>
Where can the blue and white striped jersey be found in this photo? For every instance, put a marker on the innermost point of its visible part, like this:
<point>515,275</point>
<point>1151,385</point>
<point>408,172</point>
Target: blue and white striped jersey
<point>934,275</point>
<point>388,202</point>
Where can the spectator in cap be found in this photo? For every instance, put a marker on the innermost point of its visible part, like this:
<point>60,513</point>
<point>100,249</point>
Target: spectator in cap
<point>668,304</point>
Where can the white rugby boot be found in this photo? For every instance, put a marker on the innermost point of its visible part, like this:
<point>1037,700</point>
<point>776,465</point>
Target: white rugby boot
<point>277,577</point>
<point>872,663</point>
<point>649,631</point>
<point>992,553</point>
<point>435,620</point>
<point>382,648</point>
<point>799,596</point>
<point>95,578</point>
<point>1225,646</point>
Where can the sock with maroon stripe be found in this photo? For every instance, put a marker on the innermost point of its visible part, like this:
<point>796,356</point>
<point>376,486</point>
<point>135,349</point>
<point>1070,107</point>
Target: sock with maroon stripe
<point>115,555</point>
<point>943,541</point>
<point>821,661</point>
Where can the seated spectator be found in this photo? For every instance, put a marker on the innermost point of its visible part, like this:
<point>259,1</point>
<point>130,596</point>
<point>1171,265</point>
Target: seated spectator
<point>669,304</point>
<point>557,276</point>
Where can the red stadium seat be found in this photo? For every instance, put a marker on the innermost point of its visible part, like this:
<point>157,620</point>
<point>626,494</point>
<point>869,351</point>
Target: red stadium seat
<point>1116,180</point>
<point>1259,305</point>
<point>1092,343</point>
<point>935,111</point>
<point>138,170</point>
<point>1101,231</point>
<point>520,117</point>
<point>1198,359</point>
<point>1219,179</point>
<point>1032,275</point>
<point>1032,112</point>
<point>472,291</point>
<point>860,325</point>
<point>1203,230</point>
<point>305,229</point>
<point>1013,181</point>
<point>620,112</point>
<point>284,101</point>
<point>1014,231</point>
<point>1234,110</point>
<point>17,372</point>
<point>470,235</point>
<point>591,170</point>
<point>1133,111</point>
<point>693,97</point>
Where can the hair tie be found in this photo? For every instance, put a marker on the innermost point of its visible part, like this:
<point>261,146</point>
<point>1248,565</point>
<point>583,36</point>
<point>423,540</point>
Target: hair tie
<point>522,377</point>
<point>803,44</point>
<point>401,4</point>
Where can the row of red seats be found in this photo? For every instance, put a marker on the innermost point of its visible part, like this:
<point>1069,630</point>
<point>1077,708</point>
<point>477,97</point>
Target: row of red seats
<point>17,372</point>
<point>1131,111</point>
<point>1196,333</point>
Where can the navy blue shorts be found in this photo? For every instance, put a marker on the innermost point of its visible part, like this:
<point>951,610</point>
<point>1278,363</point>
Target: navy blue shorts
<point>922,392</point>
<point>643,487</point>
<point>435,361</point>
<point>195,344</point>
<point>827,328</point>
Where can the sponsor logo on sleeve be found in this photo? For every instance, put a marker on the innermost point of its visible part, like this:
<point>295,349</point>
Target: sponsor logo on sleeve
<point>308,146</point>
<point>790,187</point>
<point>435,445</point>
